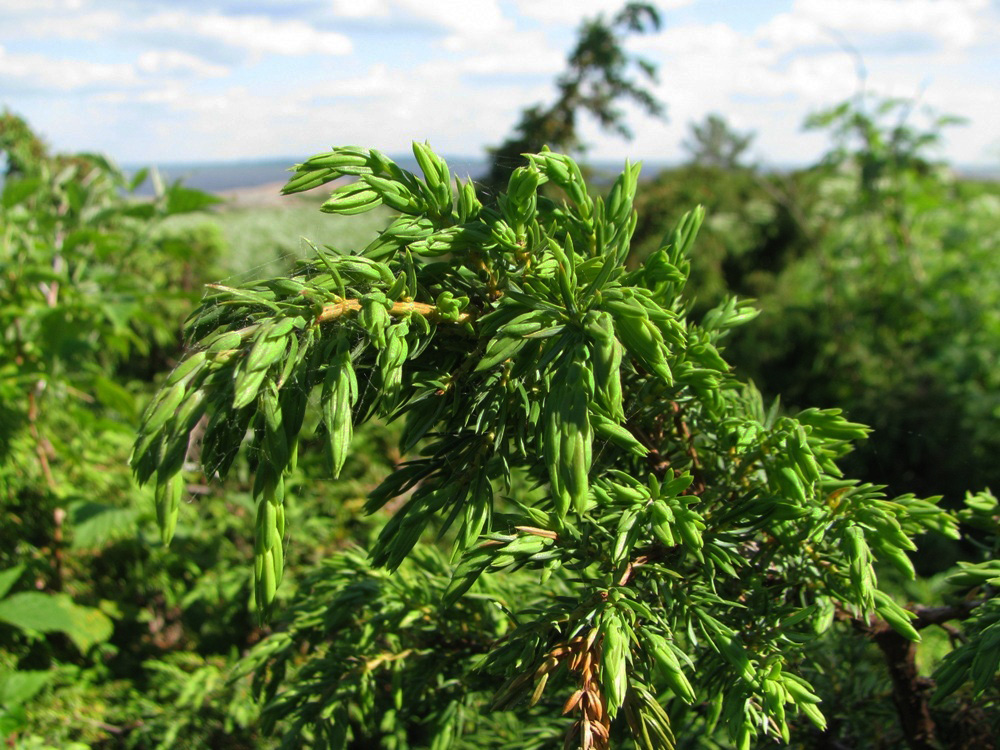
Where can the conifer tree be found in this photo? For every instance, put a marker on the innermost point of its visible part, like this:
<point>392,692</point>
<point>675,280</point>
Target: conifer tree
<point>598,531</point>
<point>595,80</point>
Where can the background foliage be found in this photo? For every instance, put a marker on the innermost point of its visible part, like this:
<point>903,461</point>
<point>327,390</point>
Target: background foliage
<point>876,274</point>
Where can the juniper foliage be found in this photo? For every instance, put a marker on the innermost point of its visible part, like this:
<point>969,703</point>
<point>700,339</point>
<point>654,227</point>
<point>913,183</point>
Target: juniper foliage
<point>596,520</point>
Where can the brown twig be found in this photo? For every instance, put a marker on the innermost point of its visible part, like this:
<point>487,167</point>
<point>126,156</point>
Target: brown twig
<point>349,306</point>
<point>698,486</point>
<point>58,556</point>
<point>910,691</point>
<point>927,616</point>
<point>42,446</point>
<point>593,725</point>
<point>654,440</point>
<point>633,564</point>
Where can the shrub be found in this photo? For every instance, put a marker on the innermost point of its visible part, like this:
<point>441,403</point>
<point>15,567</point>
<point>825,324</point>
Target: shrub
<point>892,313</point>
<point>752,230</point>
<point>597,530</point>
<point>91,287</point>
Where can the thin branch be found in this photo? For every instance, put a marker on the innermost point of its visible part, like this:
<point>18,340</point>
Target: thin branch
<point>42,446</point>
<point>349,306</point>
<point>940,615</point>
<point>686,435</point>
<point>633,564</point>
<point>910,691</point>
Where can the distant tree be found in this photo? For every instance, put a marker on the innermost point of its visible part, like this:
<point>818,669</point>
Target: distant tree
<point>23,152</point>
<point>715,144</point>
<point>878,136</point>
<point>892,313</point>
<point>596,78</point>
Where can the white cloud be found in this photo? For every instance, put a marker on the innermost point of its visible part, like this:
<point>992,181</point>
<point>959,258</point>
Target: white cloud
<point>257,34</point>
<point>39,71</point>
<point>171,61</point>
<point>563,12</point>
<point>795,63</point>
<point>385,108</point>
<point>818,80</point>
<point>66,23</point>
<point>22,6</point>
<point>479,29</point>
<point>573,11</point>
<point>790,31</point>
<point>510,54</point>
<point>360,8</point>
<point>379,81</point>
<point>712,62</point>
<point>464,18</point>
<point>953,23</point>
<point>170,94</point>
<point>484,39</point>
<point>488,15</point>
<point>477,18</point>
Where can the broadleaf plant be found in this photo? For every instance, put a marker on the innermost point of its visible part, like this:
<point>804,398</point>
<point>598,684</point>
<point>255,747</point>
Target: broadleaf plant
<point>567,426</point>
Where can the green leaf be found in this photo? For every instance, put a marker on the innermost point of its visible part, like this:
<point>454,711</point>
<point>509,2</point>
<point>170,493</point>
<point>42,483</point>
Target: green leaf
<point>8,578</point>
<point>17,190</point>
<point>684,234</point>
<point>12,720</point>
<point>49,613</point>
<point>97,524</point>
<point>182,200</point>
<point>351,199</point>
<point>19,686</point>
<point>137,179</point>
<point>615,658</point>
<point>116,397</point>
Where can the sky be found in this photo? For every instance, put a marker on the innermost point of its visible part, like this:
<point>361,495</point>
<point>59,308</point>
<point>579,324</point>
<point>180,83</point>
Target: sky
<point>215,80</point>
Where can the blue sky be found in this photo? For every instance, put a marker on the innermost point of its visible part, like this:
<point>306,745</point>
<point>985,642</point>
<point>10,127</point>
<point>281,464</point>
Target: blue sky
<point>185,80</point>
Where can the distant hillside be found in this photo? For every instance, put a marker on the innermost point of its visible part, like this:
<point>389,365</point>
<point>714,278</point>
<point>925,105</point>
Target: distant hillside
<point>223,177</point>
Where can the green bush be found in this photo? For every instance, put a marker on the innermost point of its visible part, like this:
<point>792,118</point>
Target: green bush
<point>91,288</point>
<point>598,532</point>
<point>894,312</point>
<point>752,229</point>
